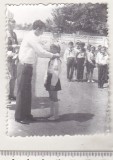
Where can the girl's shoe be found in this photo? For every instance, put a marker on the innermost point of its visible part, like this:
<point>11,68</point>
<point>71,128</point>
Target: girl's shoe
<point>88,81</point>
<point>92,81</point>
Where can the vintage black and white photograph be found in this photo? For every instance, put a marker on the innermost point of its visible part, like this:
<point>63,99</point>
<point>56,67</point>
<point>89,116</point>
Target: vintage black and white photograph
<point>57,69</point>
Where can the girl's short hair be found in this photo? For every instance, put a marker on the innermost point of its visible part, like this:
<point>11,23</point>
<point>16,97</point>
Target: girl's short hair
<point>55,48</point>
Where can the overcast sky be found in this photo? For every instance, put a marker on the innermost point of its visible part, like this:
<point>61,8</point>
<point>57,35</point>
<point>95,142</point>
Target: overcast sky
<point>28,14</point>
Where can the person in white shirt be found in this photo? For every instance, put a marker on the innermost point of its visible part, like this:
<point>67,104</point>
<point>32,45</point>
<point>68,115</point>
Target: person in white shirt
<point>69,58</point>
<point>30,49</point>
<point>90,64</point>
<point>102,62</point>
<point>98,49</point>
<point>52,81</point>
<point>76,48</point>
<point>88,49</point>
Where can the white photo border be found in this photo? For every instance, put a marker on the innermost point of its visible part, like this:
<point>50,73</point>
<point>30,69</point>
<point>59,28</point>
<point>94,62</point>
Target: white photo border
<point>99,142</point>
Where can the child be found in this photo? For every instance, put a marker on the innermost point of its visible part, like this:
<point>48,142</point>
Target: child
<point>52,83</point>
<point>102,62</point>
<point>81,60</point>
<point>69,58</point>
<point>90,64</point>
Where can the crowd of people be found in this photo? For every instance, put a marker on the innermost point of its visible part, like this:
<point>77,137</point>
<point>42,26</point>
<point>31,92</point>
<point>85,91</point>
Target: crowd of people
<point>80,56</point>
<point>20,66</point>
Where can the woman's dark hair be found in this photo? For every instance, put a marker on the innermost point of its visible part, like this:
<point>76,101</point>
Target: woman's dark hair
<point>38,24</point>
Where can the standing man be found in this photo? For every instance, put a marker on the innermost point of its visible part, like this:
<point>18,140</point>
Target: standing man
<point>69,58</point>
<point>81,61</point>
<point>102,62</point>
<point>12,44</point>
<point>30,48</point>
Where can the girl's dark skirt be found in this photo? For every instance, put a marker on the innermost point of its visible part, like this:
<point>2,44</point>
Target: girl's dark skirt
<point>90,66</point>
<point>48,83</point>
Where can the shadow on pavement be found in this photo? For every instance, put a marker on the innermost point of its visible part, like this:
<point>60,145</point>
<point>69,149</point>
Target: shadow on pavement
<point>44,102</point>
<point>80,117</point>
<point>40,102</point>
<point>37,103</point>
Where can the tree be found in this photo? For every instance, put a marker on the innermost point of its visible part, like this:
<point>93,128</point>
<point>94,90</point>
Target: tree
<point>91,18</point>
<point>49,25</point>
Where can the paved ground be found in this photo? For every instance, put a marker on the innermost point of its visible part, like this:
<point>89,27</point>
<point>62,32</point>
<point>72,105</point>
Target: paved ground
<point>82,108</point>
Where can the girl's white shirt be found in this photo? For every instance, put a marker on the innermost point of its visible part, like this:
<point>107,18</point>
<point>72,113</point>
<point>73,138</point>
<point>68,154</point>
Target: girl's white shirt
<point>90,57</point>
<point>55,69</point>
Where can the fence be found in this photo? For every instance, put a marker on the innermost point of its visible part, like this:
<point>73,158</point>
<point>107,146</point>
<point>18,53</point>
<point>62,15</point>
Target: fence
<point>65,38</point>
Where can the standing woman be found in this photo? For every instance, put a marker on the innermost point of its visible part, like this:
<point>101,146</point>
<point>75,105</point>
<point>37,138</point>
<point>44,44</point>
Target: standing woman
<point>90,64</point>
<point>81,59</point>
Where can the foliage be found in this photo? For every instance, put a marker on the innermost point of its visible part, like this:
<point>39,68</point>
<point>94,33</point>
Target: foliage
<point>70,18</point>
